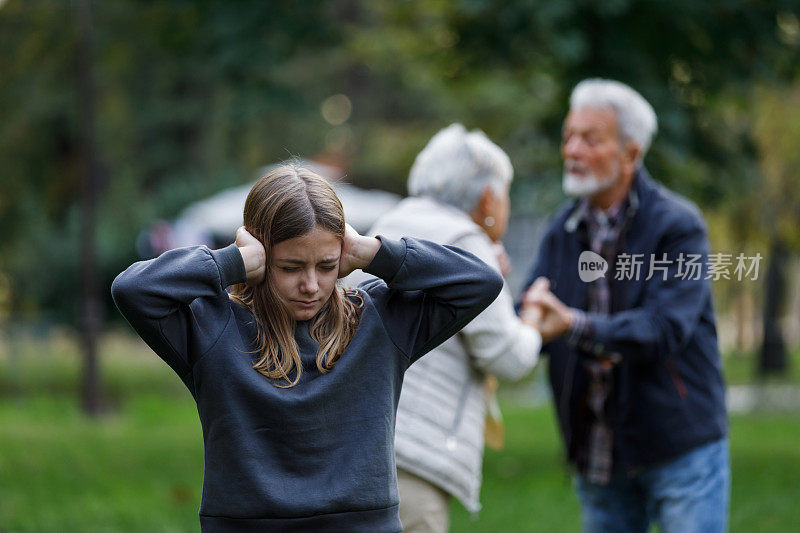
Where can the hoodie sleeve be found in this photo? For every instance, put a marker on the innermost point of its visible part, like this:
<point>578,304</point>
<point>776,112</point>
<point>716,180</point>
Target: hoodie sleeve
<point>177,302</point>
<point>428,292</point>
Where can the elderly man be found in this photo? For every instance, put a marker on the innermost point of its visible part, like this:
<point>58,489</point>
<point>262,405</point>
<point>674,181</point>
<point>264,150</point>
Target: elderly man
<point>634,363</point>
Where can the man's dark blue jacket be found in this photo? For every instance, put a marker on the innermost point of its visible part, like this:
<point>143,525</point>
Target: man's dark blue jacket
<point>668,395</point>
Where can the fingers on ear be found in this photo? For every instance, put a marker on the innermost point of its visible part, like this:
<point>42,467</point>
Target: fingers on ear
<point>243,233</point>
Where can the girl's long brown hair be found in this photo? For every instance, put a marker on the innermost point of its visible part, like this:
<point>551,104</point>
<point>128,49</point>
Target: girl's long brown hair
<point>289,202</point>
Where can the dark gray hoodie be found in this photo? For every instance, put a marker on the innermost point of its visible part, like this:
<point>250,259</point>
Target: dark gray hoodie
<point>317,456</point>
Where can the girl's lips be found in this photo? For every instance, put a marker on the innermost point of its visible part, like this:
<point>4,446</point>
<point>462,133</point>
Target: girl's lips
<point>302,303</point>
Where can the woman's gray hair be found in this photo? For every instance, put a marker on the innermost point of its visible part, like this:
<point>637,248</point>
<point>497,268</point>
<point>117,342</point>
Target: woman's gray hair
<point>456,166</point>
<point>635,116</point>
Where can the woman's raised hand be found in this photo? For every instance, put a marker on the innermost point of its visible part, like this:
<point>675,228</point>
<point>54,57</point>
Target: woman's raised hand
<point>253,255</point>
<point>357,251</point>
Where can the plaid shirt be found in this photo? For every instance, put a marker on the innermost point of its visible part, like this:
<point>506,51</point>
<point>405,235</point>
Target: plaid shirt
<point>603,231</point>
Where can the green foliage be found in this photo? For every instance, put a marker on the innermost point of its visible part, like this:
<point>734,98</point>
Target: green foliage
<point>777,134</point>
<point>195,96</point>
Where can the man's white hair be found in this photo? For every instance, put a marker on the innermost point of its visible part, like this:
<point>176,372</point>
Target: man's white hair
<point>635,116</point>
<point>456,166</point>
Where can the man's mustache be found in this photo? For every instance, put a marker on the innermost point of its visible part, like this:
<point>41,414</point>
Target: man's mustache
<point>571,165</point>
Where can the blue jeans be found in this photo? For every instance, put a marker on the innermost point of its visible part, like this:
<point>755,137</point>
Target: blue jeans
<point>687,494</point>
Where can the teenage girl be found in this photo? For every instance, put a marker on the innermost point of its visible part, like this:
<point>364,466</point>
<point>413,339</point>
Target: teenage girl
<point>296,379</point>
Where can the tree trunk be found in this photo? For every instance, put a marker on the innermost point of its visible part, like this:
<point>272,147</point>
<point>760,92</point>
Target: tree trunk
<point>90,303</point>
<point>773,350</point>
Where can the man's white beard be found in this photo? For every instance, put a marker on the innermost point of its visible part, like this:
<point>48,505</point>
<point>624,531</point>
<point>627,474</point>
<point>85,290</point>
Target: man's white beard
<point>583,186</point>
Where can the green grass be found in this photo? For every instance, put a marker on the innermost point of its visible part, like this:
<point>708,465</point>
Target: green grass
<point>139,467</point>
<point>526,486</point>
<point>138,470</point>
<point>740,368</point>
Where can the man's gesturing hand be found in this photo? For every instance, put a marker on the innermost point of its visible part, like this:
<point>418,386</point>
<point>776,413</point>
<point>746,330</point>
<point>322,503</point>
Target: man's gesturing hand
<point>550,316</point>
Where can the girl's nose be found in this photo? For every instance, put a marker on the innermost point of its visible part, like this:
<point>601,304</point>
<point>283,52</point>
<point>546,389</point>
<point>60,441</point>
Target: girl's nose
<point>309,283</point>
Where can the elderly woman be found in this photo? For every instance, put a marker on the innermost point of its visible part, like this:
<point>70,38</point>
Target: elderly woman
<point>459,185</point>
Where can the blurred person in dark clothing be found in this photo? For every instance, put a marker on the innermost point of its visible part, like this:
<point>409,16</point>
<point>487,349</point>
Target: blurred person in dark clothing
<point>630,329</point>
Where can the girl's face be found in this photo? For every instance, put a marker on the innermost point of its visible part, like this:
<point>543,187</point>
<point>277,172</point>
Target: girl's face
<point>304,270</point>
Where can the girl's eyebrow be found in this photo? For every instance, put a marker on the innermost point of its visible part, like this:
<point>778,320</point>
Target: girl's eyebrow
<point>301,262</point>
